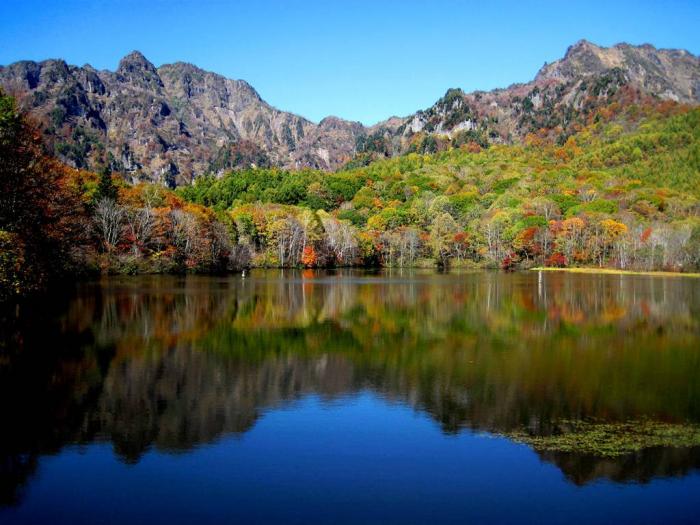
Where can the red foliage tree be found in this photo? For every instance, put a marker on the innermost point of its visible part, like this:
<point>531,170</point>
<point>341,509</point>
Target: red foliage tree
<point>309,257</point>
<point>508,263</point>
<point>39,204</point>
<point>557,260</point>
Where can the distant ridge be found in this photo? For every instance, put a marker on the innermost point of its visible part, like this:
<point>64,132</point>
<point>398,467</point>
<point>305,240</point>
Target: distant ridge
<point>172,123</point>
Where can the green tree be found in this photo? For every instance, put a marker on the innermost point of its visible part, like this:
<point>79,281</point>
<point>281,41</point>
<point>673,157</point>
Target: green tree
<point>106,188</point>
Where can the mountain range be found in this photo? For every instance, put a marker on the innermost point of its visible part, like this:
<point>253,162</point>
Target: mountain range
<point>172,123</point>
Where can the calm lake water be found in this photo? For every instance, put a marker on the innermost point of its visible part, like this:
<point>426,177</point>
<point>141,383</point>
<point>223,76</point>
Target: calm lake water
<point>332,397</point>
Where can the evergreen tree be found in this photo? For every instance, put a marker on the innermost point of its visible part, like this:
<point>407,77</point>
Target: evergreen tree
<point>106,189</point>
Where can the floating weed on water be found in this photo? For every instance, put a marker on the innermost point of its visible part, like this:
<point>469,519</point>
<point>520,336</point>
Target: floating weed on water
<point>611,439</point>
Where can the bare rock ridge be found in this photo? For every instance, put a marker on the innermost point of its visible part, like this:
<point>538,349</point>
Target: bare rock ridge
<point>172,123</point>
<point>558,99</point>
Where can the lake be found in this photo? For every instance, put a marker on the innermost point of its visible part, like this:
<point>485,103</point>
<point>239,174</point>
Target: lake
<point>351,396</point>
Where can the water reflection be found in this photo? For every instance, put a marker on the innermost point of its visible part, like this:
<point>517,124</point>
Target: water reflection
<point>174,362</point>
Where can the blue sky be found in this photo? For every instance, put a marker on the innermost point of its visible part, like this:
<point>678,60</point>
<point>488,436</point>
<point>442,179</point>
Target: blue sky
<point>360,60</point>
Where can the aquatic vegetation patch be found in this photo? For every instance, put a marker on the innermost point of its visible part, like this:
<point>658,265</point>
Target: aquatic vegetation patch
<point>611,439</point>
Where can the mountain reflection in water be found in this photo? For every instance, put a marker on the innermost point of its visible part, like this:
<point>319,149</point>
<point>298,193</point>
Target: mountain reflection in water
<point>176,362</point>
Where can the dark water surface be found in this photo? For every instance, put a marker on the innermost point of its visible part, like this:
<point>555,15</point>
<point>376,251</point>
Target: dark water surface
<point>394,397</point>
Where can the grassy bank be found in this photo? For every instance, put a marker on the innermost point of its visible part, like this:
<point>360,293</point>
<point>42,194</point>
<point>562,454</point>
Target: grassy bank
<point>613,271</point>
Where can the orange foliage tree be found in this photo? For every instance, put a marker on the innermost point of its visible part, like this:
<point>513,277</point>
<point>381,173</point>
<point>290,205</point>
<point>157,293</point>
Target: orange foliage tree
<point>309,257</point>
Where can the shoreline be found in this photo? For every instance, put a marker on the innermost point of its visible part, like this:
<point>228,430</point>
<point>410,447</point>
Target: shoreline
<point>613,271</point>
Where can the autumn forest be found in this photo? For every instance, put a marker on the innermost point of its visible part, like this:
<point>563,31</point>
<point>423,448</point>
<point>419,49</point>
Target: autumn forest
<point>620,192</point>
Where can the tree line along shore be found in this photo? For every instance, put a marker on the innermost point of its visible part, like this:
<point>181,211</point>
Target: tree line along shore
<point>621,193</point>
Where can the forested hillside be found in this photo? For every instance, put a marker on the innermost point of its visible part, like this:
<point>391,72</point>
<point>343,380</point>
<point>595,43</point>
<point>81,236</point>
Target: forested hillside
<point>623,192</point>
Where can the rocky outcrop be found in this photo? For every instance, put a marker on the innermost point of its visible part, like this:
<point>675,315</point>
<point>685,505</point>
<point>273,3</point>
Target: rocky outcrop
<point>560,97</point>
<point>669,73</point>
<point>171,123</point>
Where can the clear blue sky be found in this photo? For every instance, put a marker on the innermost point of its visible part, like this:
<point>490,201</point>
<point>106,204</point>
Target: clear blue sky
<point>360,60</point>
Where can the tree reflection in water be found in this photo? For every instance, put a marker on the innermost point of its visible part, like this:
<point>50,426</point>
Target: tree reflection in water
<point>173,362</point>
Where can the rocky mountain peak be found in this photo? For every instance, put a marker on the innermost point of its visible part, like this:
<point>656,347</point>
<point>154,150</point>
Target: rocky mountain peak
<point>333,122</point>
<point>135,61</point>
<point>136,69</point>
<point>669,73</point>
<point>582,58</point>
<point>581,46</point>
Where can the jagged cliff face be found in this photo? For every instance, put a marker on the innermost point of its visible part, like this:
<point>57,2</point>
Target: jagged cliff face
<point>668,73</point>
<point>559,97</point>
<point>172,123</point>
